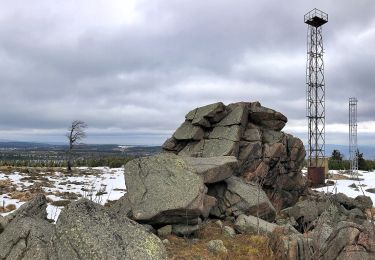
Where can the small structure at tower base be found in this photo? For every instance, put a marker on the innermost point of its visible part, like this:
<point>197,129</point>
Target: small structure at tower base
<point>316,175</point>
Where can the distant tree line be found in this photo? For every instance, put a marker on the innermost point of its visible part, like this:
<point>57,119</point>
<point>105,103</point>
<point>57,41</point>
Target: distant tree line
<point>337,162</point>
<point>110,161</point>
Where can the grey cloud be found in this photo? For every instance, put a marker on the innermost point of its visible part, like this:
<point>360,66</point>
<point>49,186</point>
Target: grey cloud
<point>181,55</point>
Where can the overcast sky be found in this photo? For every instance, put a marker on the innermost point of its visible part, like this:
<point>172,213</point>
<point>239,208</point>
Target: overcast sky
<point>131,69</point>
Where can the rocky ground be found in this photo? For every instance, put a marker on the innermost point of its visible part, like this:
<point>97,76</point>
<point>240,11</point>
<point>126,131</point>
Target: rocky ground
<point>228,185</point>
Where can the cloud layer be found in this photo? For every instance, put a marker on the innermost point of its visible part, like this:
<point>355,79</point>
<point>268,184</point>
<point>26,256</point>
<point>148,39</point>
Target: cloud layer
<point>132,69</point>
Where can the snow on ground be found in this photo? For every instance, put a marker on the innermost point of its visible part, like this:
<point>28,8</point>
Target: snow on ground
<point>367,181</point>
<point>102,184</point>
<point>99,184</point>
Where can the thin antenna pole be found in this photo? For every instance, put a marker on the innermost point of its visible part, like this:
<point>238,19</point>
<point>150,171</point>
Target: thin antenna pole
<point>353,146</point>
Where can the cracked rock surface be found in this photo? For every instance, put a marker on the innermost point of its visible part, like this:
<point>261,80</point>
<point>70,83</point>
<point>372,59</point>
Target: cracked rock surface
<point>26,233</point>
<point>168,189</point>
<point>84,230</point>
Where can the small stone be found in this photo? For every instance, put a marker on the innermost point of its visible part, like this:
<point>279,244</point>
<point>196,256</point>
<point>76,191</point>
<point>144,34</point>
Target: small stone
<point>229,231</point>
<point>219,223</point>
<point>217,247</point>
<point>195,240</point>
<point>149,228</point>
<point>230,218</point>
<point>184,230</point>
<point>166,241</point>
<point>250,225</point>
<point>165,231</point>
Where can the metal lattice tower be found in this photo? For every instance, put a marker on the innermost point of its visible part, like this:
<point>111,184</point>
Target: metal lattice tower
<point>315,87</point>
<point>353,148</point>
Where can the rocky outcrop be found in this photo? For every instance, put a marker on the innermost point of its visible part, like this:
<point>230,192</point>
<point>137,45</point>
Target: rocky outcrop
<point>252,134</point>
<point>84,230</point>
<point>222,161</point>
<point>173,189</point>
<point>236,197</point>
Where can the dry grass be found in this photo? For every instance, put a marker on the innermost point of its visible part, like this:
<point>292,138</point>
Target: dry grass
<point>6,186</point>
<point>22,195</point>
<point>370,213</point>
<point>66,195</point>
<point>239,247</point>
<point>29,170</point>
<point>7,208</point>
<point>60,203</point>
<point>338,176</point>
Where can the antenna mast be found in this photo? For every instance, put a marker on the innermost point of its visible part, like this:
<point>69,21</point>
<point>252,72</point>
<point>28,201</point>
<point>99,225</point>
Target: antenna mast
<point>353,148</point>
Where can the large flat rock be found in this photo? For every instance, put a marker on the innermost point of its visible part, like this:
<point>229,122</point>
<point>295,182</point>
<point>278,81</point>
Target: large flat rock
<point>213,169</point>
<point>169,188</point>
<point>163,184</point>
<point>211,148</point>
<point>86,230</point>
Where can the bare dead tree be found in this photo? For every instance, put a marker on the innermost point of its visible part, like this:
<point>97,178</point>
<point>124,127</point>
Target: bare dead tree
<point>76,132</point>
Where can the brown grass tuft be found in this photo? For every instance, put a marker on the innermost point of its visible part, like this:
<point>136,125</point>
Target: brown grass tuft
<point>239,247</point>
<point>7,208</point>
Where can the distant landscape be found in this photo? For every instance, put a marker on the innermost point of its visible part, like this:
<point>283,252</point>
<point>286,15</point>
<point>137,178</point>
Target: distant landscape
<point>44,154</point>
<point>36,152</point>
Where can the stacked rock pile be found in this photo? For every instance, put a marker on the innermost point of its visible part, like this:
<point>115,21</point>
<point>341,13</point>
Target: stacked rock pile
<point>252,134</point>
